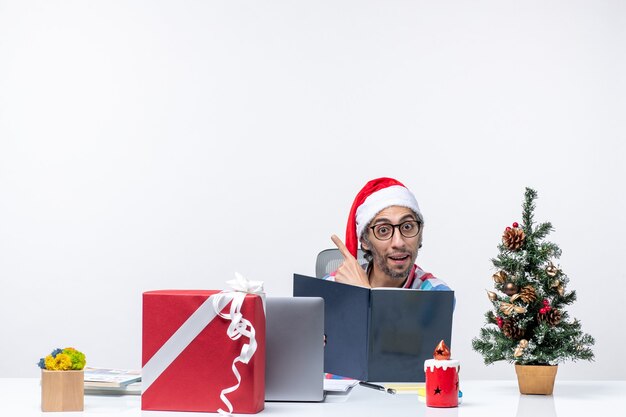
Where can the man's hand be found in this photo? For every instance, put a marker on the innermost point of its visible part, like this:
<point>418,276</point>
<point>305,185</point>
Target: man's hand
<point>349,272</point>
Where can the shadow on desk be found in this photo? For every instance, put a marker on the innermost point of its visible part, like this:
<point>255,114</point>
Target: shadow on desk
<point>588,390</point>
<point>441,412</point>
<point>536,405</point>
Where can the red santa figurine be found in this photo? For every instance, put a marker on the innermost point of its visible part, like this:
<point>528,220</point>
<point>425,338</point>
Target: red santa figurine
<point>442,378</point>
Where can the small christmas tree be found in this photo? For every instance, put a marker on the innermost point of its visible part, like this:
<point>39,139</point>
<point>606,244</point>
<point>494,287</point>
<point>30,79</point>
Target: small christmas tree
<point>528,324</point>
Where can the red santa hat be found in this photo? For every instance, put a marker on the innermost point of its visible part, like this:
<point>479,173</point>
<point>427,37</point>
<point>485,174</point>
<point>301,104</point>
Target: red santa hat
<point>374,197</point>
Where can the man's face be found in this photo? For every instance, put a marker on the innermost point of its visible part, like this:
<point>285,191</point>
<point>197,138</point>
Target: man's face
<point>394,257</point>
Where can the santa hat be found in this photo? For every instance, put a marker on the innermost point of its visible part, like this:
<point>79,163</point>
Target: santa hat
<point>374,197</point>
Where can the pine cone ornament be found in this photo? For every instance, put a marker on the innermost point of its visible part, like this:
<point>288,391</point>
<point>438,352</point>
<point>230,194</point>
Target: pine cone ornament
<point>551,316</point>
<point>511,330</point>
<point>527,294</point>
<point>513,238</point>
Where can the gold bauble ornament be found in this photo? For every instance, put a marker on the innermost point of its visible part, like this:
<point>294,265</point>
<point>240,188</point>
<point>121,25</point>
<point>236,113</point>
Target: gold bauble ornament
<point>492,295</point>
<point>510,289</point>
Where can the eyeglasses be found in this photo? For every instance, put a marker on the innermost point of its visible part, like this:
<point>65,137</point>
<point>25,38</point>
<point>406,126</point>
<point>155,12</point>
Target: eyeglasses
<point>385,231</point>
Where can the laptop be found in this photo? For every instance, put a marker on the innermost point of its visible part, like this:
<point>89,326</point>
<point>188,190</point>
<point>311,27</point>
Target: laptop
<point>379,334</point>
<point>294,349</point>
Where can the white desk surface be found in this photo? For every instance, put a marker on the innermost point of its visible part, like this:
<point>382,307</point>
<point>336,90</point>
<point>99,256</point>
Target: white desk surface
<point>21,397</point>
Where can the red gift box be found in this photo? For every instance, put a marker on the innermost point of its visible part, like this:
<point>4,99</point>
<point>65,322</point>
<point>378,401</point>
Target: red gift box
<point>187,355</point>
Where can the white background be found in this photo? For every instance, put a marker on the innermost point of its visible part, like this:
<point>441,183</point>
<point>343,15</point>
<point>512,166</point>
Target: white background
<point>167,144</point>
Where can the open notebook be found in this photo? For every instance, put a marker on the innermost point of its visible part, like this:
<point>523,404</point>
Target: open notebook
<point>380,334</point>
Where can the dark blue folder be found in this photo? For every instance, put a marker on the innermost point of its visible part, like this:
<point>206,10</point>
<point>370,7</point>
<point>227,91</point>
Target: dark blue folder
<point>380,334</point>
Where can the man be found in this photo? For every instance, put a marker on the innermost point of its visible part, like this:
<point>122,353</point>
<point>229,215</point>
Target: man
<point>386,219</point>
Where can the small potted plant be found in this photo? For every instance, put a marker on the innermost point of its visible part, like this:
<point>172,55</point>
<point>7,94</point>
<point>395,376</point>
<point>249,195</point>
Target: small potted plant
<point>528,324</point>
<point>62,380</point>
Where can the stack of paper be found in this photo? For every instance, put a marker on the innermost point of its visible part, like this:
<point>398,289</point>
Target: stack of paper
<point>112,381</point>
<point>339,385</point>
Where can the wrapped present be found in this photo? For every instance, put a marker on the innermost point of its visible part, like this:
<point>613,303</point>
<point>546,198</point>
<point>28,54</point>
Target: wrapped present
<point>204,350</point>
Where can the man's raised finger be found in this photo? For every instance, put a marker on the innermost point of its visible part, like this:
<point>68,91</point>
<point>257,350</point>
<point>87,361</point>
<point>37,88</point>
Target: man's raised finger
<point>342,248</point>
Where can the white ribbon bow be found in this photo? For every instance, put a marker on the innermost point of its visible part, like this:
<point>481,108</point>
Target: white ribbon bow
<point>239,326</point>
<point>243,284</point>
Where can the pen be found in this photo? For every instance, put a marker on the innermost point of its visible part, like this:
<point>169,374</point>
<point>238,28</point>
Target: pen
<point>377,387</point>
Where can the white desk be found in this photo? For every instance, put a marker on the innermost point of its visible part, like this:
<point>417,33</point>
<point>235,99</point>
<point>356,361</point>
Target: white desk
<point>21,397</point>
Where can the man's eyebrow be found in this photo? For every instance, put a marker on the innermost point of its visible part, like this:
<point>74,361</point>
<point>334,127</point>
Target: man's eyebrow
<point>402,219</point>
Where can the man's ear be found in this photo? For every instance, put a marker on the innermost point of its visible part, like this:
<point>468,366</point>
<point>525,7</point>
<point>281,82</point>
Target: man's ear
<point>364,245</point>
